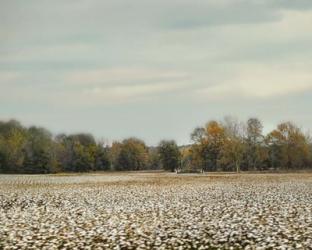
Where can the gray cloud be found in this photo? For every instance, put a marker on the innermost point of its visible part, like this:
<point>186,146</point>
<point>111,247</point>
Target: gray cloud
<point>87,21</point>
<point>290,4</point>
<point>92,65</point>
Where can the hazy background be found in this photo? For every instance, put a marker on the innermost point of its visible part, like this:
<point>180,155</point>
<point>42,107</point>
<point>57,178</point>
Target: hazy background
<point>154,69</point>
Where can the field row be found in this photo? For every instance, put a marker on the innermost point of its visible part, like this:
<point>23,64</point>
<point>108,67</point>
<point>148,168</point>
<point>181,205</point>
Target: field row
<point>160,211</point>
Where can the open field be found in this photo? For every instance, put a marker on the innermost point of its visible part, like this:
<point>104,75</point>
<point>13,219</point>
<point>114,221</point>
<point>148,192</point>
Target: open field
<point>156,210</point>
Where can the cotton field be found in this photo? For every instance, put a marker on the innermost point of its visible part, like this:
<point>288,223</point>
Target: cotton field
<point>156,211</point>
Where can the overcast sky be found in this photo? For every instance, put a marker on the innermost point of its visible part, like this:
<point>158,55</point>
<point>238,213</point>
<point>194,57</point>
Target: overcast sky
<point>154,69</point>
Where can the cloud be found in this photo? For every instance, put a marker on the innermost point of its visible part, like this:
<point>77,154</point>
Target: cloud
<point>112,58</point>
<point>126,94</point>
<point>93,87</point>
<point>123,85</point>
<point>8,77</point>
<point>259,81</point>
<point>45,22</point>
<point>290,4</point>
<point>122,76</point>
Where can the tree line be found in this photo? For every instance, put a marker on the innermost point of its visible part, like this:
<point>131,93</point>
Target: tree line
<point>227,145</point>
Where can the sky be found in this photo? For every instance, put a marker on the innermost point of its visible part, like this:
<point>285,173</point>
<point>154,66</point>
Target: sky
<point>154,69</point>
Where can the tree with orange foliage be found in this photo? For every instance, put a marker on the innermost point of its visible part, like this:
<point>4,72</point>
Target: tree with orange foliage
<point>208,143</point>
<point>289,147</point>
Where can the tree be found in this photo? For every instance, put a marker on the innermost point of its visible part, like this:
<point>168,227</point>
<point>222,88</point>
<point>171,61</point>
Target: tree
<point>133,155</point>
<point>114,154</point>
<point>186,159</point>
<point>39,156</point>
<point>77,152</point>
<point>208,143</point>
<point>83,158</point>
<point>215,134</point>
<point>255,153</point>
<point>13,151</point>
<point>233,149</point>
<point>197,150</point>
<point>232,154</point>
<point>198,135</point>
<point>226,145</point>
<point>169,154</point>
<point>64,152</point>
<point>102,160</point>
<point>310,153</point>
<point>83,138</point>
<point>6,127</point>
<point>2,155</point>
<point>289,147</point>
<point>154,162</point>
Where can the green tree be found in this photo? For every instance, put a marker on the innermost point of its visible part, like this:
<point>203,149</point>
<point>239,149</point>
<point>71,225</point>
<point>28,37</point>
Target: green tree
<point>2,155</point>
<point>13,151</point>
<point>153,159</point>
<point>77,152</point>
<point>255,153</point>
<point>102,160</point>
<point>83,158</point>
<point>169,154</point>
<point>133,155</point>
<point>39,155</point>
